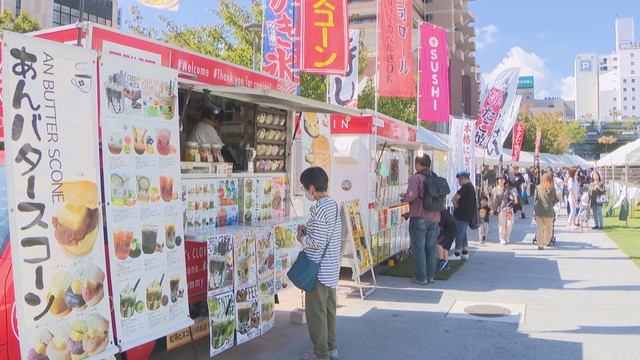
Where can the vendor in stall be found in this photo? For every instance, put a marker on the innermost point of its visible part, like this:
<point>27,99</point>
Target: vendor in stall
<point>206,130</point>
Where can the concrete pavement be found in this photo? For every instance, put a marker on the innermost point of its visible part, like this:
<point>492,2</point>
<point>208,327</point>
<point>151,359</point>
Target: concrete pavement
<point>577,300</point>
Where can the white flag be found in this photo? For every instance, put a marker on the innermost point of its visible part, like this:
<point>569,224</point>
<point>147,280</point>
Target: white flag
<point>343,90</point>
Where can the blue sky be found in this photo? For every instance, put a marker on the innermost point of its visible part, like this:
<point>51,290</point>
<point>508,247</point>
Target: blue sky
<point>542,37</point>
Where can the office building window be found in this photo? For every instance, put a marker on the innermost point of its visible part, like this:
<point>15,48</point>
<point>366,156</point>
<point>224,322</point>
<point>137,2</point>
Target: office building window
<point>633,72</point>
<point>624,98</point>
<point>633,107</point>
<point>633,89</point>
<point>633,98</point>
<point>624,81</point>
<point>624,90</point>
<point>633,63</point>
<point>615,99</point>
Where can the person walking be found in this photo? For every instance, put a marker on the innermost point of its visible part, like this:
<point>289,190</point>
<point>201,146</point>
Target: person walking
<point>544,201</point>
<point>465,205</point>
<point>423,224</point>
<point>573,199</point>
<point>596,188</point>
<point>502,200</point>
<point>484,211</point>
<point>323,230</point>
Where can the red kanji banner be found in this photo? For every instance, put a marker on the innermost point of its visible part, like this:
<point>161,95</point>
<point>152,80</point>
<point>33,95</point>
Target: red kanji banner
<point>324,37</point>
<point>395,63</point>
<point>516,145</point>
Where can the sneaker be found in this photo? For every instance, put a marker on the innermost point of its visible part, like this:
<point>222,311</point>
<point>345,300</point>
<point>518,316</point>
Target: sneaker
<point>442,264</point>
<point>540,247</point>
<point>431,281</point>
<point>483,242</point>
<point>464,255</point>
<point>524,217</point>
<point>419,282</point>
<point>455,257</point>
<point>333,354</point>
<point>502,242</point>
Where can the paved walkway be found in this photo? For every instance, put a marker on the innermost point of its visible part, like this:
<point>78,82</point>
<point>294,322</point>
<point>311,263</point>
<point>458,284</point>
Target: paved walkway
<point>577,300</point>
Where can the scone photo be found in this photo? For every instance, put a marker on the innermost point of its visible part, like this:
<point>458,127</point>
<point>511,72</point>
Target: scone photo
<point>77,223</point>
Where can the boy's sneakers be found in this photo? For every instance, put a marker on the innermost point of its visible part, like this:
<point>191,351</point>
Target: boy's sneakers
<point>464,255</point>
<point>455,257</point>
<point>442,264</point>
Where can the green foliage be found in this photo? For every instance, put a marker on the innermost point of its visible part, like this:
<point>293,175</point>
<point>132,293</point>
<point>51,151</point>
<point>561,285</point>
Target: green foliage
<point>403,109</point>
<point>557,135</point>
<point>22,24</point>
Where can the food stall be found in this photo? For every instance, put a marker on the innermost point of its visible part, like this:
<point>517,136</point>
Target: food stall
<point>369,159</point>
<point>193,232</point>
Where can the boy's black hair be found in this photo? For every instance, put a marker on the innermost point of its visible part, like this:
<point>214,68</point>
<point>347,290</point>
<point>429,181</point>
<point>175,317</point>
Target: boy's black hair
<point>315,176</point>
<point>424,160</point>
<point>484,197</point>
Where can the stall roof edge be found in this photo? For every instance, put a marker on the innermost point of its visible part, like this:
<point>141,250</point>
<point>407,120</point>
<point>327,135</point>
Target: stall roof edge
<point>276,99</point>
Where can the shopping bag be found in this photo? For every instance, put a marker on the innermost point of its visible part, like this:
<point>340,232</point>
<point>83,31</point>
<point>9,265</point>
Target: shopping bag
<point>304,272</point>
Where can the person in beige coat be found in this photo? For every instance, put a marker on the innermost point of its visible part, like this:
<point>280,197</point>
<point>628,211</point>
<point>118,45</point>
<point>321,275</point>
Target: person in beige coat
<point>544,200</point>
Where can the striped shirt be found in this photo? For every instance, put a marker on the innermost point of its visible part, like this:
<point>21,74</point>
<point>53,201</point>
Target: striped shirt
<point>413,196</point>
<point>324,225</point>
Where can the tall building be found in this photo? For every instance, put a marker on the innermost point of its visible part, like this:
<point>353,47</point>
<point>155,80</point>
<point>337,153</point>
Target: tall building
<point>52,13</point>
<point>611,91</point>
<point>455,17</point>
<point>526,89</point>
<point>586,74</point>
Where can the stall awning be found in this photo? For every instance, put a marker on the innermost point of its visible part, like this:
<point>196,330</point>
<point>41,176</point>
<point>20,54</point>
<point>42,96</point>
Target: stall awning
<point>276,99</point>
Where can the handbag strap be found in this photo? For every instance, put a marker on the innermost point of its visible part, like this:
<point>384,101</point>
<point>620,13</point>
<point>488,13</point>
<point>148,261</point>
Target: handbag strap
<point>324,252</point>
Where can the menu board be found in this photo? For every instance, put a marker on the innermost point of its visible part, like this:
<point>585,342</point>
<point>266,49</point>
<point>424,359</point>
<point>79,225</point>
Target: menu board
<point>357,235</point>
<point>49,105</point>
<point>265,246</point>
<point>209,203</point>
<point>222,313</point>
<point>244,259</point>
<point>220,264</point>
<point>287,249</point>
<point>267,305</point>
<point>143,211</point>
<point>247,313</point>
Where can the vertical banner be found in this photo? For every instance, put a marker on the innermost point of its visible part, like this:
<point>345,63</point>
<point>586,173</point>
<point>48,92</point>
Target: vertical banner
<point>462,155</point>
<point>499,97</point>
<point>343,90</point>
<point>434,74</point>
<point>516,146</point>
<point>395,63</point>
<point>324,37</point>
<point>278,45</point>
<point>536,157</point>
<point>144,214</point>
<point>54,199</point>
<point>499,135</point>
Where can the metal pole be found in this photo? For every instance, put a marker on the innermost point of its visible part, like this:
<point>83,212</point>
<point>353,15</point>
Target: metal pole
<point>79,25</point>
<point>255,53</point>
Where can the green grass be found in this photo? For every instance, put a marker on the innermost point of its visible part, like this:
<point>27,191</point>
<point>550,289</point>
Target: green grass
<point>627,238</point>
<point>405,268</point>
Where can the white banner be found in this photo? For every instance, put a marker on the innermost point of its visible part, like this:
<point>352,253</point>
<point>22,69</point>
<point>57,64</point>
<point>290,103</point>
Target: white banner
<point>462,155</point>
<point>140,140</point>
<point>343,90</point>
<point>499,135</point>
<point>53,174</point>
<point>495,104</point>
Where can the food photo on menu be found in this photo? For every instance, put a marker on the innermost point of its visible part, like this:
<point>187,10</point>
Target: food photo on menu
<point>77,289</point>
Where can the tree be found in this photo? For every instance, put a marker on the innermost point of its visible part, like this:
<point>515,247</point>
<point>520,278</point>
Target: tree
<point>22,24</point>
<point>403,109</point>
<point>606,141</point>
<point>557,135</point>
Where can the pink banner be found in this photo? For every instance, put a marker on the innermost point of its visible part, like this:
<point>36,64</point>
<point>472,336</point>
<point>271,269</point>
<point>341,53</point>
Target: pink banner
<point>395,63</point>
<point>518,137</point>
<point>325,37</point>
<point>434,74</point>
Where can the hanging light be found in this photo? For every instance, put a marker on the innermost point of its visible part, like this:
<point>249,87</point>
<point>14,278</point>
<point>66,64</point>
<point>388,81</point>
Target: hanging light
<point>420,151</point>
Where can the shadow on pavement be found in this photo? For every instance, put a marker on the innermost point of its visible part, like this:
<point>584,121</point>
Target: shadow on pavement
<point>604,330</point>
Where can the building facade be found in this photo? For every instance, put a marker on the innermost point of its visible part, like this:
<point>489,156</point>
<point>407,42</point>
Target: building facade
<point>611,91</point>
<point>50,13</point>
<point>455,17</point>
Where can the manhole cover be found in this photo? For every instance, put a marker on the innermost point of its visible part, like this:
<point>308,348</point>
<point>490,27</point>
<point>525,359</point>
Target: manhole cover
<point>490,311</point>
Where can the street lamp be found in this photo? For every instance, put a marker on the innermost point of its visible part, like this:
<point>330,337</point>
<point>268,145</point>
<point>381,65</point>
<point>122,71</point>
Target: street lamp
<point>253,28</point>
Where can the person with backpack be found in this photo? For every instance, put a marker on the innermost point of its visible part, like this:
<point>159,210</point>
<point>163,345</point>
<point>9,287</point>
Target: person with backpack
<point>465,205</point>
<point>423,223</point>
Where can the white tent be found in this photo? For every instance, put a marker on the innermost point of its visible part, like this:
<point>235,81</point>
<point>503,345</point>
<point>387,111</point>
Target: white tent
<point>432,140</point>
<point>628,154</point>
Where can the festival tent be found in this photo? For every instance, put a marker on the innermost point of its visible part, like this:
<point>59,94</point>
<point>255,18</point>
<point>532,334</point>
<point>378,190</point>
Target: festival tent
<point>628,154</point>
<point>431,139</point>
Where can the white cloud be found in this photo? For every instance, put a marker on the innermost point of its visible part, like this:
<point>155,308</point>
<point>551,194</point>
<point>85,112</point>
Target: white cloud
<point>569,88</point>
<point>546,83</point>
<point>485,36</point>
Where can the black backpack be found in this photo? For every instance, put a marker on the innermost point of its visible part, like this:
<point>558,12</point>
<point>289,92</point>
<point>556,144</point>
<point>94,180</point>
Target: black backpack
<point>436,190</point>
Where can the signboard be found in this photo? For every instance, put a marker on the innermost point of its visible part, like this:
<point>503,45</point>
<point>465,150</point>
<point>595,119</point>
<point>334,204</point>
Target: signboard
<point>525,82</point>
<point>518,137</point>
<point>55,217</point>
<point>434,78</point>
<point>357,236</point>
<point>324,37</point>
<point>315,142</point>
<point>143,211</point>
<point>220,264</point>
<point>278,46</point>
